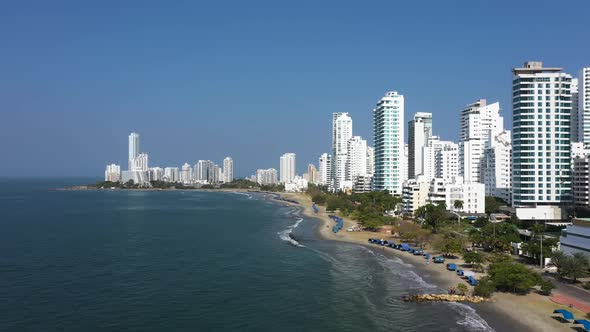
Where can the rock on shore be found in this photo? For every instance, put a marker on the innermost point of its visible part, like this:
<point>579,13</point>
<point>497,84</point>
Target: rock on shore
<point>443,298</point>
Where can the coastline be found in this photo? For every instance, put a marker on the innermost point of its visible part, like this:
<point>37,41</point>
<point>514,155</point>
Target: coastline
<point>505,312</point>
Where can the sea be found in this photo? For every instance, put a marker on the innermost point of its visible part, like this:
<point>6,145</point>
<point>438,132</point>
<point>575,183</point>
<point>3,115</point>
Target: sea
<point>114,260</point>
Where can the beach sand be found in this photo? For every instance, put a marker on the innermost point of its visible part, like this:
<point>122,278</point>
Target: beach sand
<point>506,312</point>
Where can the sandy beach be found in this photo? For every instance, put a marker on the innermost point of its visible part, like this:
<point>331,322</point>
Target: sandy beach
<point>505,312</point>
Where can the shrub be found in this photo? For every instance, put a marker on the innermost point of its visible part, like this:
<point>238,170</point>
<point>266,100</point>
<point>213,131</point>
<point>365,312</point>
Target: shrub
<point>586,286</point>
<point>462,288</point>
<point>513,277</point>
<point>484,288</point>
<point>546,287</point>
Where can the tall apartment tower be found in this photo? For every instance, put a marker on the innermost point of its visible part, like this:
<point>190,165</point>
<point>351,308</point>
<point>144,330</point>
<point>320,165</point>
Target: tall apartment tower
<point>419,132</point>
<point>497,167</point>
<point>357,158</point>
<point>574,118</point>
<point>370,161</point>
<point>228,170</point>
<point>341,133</point>
<point>584,105</point>
<point>287,167</point>
<point>388,131</point>
<point>541,141</point>
<point>325,171</point>
<point>133,150</point>
<point>479,123</point>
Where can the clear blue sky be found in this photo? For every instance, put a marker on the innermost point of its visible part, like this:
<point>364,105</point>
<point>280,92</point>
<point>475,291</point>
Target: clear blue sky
<point>252,79</point>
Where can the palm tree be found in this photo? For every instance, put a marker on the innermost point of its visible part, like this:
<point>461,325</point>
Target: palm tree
<point>458,204</point>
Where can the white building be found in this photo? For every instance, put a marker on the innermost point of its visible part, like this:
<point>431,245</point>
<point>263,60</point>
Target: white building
<point>479,124</point>
<point>297,184</point>
<point>448,191</point>
<point>541,136</point>
<point>112,173</point>
<point>584,105</point>
<point>419,132</point>
<point>497,167</point>
<point>581,181</point>
<point>266,176</point>
<point>341,134</point>
<point>439,159</point>
<point>228,170</point>
<point>287,167</point>
<point>357,158</point>
<point>370,161</point>
<point>574,117</point>
<point>405,168</point>
<point>207,171</point>
<point>156,174</point>
<point>325,170</point>
<point>313,174</point>
<point>415,194</point>
<point>186,174</point>
<point>171,174</point>
<point>388,120</point>
<point>133,150</point>
<point>576,238</point>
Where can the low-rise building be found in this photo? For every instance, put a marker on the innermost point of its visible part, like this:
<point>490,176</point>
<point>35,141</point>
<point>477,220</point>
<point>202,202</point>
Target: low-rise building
<point>414,195</point>
<point>298,184</point>
<point>576,238</point>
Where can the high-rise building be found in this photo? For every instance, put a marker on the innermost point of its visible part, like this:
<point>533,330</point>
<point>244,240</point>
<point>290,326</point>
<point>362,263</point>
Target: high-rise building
<point>228,170</point>
<point>541,136</point>
<point>341,133</point>
<point>171,174</point>
<point>497,167</point>
<point>112,173</point>
<point>388,127</point>
<point>370,161</point>
<point>479,123</point>
<point>140,163</point>
<point>133,150</point>
<point>287,167</point>
<point>357,158</point>
<point>325,171</point>
<point>439,159</point>
<point>574,117</point>
<point>207,171</point>
<point>156,174</point>
<point>266,176</point>
<point>312,174</point>
<point>186,174</point>
<point>583,107</point>
<point>419,131</point>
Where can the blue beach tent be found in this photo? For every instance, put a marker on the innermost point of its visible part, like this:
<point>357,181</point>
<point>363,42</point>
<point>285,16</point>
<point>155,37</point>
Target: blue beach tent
<point>427,256</point>
<point>566,314</point>
<point>584,322</point>
<point>451,267</point>
<point>405,247</point>
<point>460,273</point>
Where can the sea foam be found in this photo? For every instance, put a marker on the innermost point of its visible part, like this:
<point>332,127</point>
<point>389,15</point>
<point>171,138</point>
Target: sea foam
<point>285,234</point>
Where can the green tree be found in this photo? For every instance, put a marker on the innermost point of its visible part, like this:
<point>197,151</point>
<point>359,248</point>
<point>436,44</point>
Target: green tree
<point>492,205</point>
<point>513,277</point>
<point>481,221</point>
<point>450,243</point>
<point>473,258</point>
<point>558,258</point>
<point>485,287</point>
<point>576,266</point>
<point>546,287</point>
<point>458,205</point>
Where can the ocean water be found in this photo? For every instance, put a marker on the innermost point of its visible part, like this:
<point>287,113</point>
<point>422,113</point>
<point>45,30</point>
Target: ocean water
<point>194,261</point>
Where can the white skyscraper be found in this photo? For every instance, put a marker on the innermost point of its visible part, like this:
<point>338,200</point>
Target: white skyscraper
<point>541,161</point>
<point>186,174</point>
<point>325,171</point>
<point>439,159</point>
<point>112,173</point>
<point>388,120</point>
<point>228,170</point>
<point>575,126</point>
<point>287,167</point>
<point>419,131</point>
<point>156,174</point>
<point>584,105</point>
<point>357,158</point>
<point>497,167</point>
<point>171,174</point>
<point>479,123</point>
<point>133,150</point>
<point>341,133</point>
<point>266,176</point>
<point>370,161</point>
<point>140,163</point>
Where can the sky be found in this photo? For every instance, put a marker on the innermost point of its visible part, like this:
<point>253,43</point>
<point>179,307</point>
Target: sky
<point>252,79</point>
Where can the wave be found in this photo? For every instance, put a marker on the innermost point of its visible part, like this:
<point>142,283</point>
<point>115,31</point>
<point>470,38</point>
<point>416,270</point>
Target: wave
<point>286,236</point>
<point>239,193</point>
<point>471,320</point>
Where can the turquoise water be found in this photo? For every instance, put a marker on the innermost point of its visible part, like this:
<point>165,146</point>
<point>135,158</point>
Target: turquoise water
<point>194,261</point>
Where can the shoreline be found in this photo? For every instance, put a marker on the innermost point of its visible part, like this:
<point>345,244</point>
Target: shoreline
<point>505,312</point>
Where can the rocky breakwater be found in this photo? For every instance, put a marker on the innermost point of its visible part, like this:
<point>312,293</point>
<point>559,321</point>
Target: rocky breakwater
<point>443,298</point>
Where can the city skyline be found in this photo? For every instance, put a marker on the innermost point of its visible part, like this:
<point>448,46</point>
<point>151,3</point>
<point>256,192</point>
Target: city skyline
<point>111,81</point>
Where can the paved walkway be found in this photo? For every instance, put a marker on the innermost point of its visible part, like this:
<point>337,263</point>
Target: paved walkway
<point>564,300</point>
